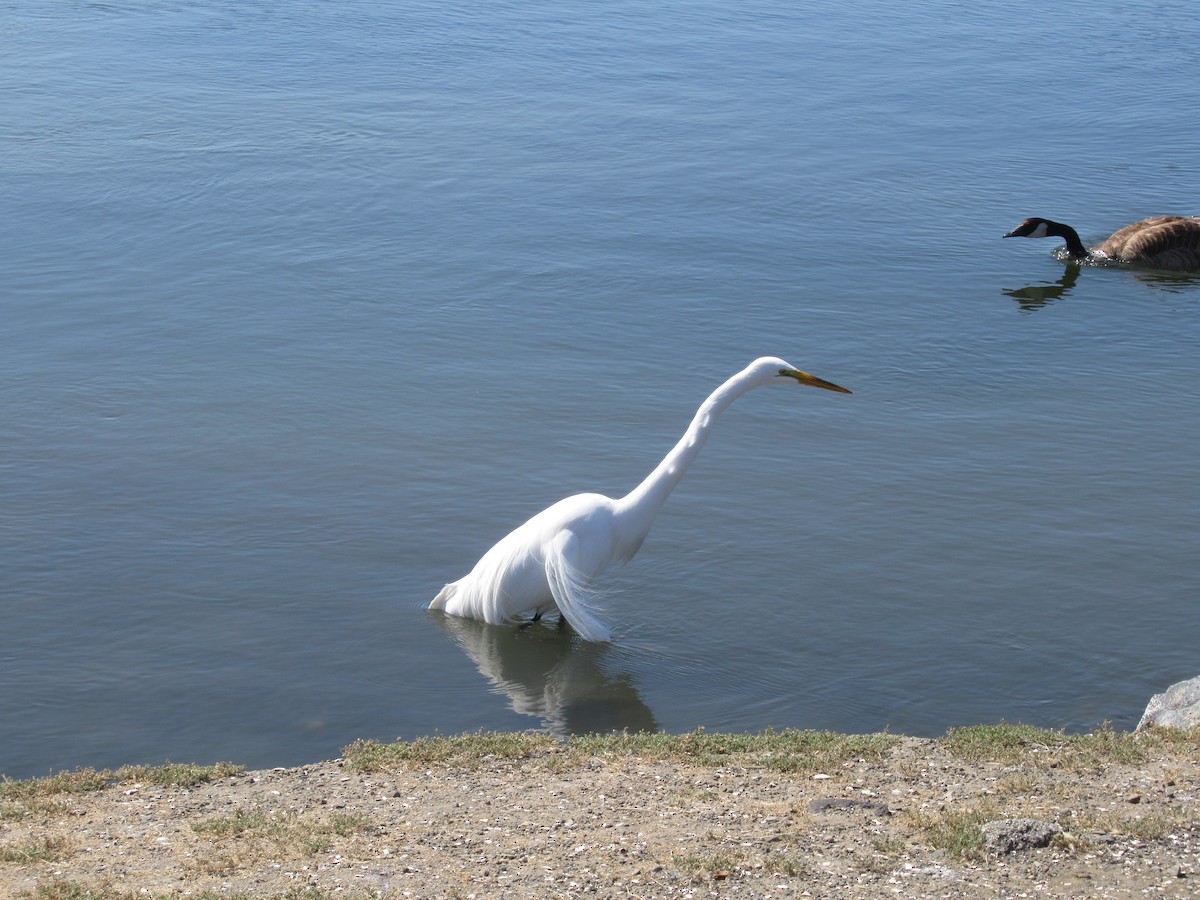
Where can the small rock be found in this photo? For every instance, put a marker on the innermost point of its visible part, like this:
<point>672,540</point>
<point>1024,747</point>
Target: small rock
<point>827,803</point>
<point>1005,836</point>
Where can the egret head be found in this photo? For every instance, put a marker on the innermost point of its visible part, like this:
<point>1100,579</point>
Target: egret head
<point>773,369</point>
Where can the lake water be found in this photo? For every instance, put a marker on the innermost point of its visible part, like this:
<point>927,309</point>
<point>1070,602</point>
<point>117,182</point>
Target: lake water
<point>306,304</point>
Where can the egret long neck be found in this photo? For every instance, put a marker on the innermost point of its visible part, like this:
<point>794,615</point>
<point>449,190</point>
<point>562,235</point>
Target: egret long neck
<point>638,508</point>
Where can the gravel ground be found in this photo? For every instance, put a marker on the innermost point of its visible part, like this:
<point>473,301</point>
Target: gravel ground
<point>620,826</point>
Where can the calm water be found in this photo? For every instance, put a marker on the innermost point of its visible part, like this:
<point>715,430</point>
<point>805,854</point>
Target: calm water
<point>306,304</point>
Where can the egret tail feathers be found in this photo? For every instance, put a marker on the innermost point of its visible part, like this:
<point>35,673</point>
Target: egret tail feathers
<point>572,594</point>
<point>443,597</point>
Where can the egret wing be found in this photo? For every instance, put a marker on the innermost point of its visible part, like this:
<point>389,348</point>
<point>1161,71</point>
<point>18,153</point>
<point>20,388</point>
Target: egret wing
<point>571,588</point>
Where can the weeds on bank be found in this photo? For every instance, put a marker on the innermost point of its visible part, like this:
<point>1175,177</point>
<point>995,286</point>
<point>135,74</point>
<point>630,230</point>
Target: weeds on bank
<point>10,812</point>
<point>790,750</point>
<point>38,798</point>
<point>183,775</point>
<point>83,781</point>
<point>80,781</point>
<point>256,832</point>
<point>1150,826</point>
<point>50,848</point>
<point>958,832</point>
<point>459,750</point>
<point>1036,751</point>
<point>69,890</point>
<point>1044,748</point>
<point>708,866</point>
<point>886,852</point>
<point>720,864</point>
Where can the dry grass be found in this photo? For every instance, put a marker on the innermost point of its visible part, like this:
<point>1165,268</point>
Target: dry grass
<point>457,751</point>
<point>44,848</point>
<point>1149,826</point>
<point>63,889</point>
<point>83,781</point>
<point>1043,748</point>
<point>945,789</point>
<point>246,836</point>
<point>714,865</point>
<point>790,750</point>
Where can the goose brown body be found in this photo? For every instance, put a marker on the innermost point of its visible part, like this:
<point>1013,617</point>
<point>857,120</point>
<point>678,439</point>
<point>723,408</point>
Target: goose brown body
<point>1160,242</point>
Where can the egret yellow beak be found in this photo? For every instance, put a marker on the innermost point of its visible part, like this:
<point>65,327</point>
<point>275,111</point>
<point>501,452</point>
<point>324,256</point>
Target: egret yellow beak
<point>812,380</point>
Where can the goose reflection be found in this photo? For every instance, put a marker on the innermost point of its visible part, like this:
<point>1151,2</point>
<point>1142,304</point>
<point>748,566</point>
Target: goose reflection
<point>1170,282</point>
<point>1035,296</point>
<point>553,675</point>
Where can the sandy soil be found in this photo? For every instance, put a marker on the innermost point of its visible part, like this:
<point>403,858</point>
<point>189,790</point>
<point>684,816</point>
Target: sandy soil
<point>616,827</point>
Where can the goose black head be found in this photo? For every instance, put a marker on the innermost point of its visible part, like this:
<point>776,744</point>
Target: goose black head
<point>1033,228</point>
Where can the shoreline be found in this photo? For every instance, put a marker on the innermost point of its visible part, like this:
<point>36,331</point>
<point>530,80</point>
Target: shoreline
<point>780,814</point>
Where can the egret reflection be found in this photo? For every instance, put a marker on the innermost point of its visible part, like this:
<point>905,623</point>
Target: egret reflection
<point>552,675</point>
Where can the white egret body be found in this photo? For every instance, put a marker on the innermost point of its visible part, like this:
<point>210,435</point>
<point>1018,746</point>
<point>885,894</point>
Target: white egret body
<point>550,561</point>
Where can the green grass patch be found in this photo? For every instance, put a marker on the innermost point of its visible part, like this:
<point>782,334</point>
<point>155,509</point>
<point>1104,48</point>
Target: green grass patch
<point>958,832</point>
<point>256,823</point>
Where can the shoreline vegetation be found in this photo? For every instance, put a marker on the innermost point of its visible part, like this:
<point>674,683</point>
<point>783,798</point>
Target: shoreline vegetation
<point>989,810</point>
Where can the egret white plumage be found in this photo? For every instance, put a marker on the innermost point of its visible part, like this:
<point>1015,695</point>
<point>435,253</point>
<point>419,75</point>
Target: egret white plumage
<point>551,560</point>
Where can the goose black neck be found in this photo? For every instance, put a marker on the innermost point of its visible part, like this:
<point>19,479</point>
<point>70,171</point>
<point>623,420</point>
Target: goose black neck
<point>1075,248</point>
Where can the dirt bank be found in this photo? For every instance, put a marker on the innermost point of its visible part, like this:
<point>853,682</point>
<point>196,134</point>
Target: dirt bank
<point>558,823</point>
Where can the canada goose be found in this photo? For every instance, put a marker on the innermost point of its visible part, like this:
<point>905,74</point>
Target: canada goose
<point>1161,242</point>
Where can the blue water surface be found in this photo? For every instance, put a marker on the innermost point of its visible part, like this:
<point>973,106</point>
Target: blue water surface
<point>307,303</point>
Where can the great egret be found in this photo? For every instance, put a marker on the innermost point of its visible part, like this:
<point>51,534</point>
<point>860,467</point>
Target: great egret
<point>1161,242</point>
<point>551,560</point>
